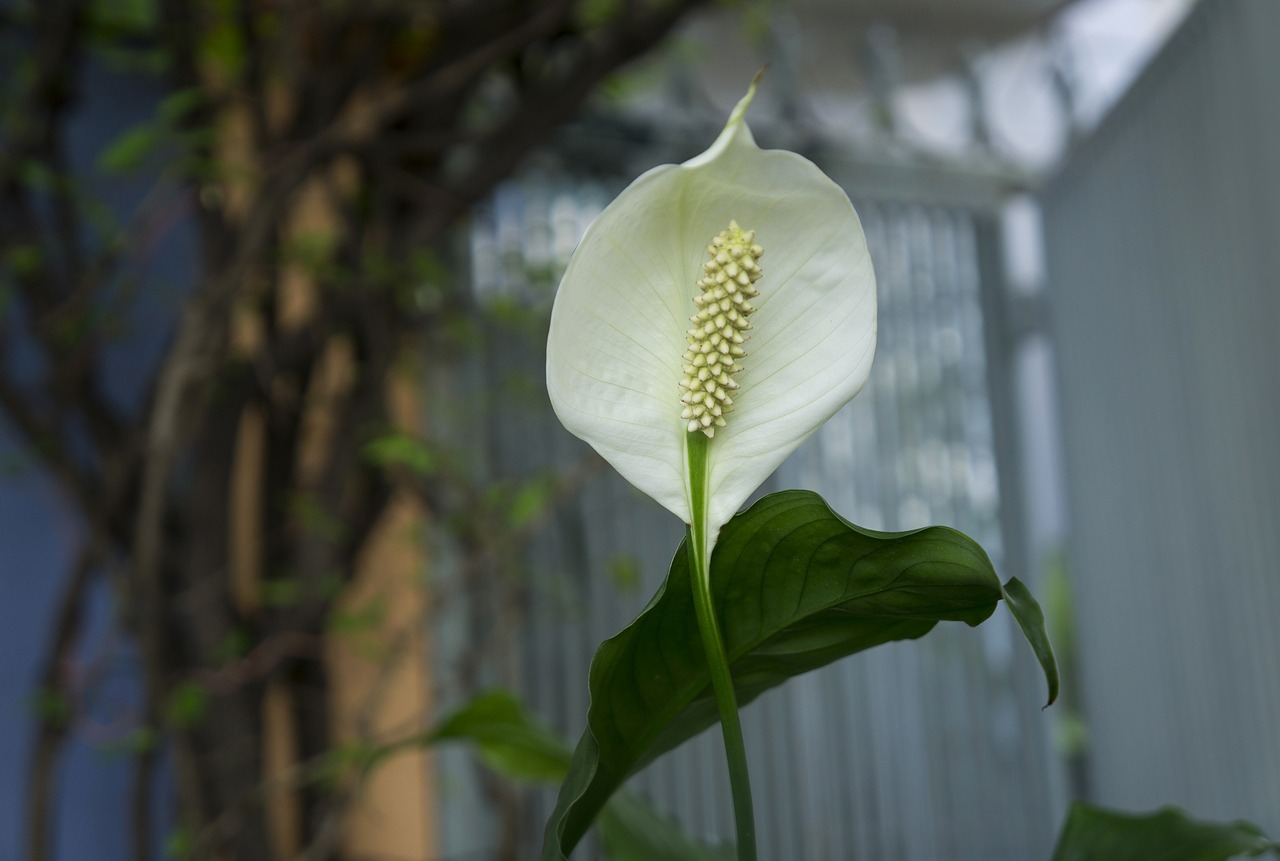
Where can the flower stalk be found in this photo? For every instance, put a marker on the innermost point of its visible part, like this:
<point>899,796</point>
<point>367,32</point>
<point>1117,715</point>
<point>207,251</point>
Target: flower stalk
<point>700,547</point>
<point>619,352</point>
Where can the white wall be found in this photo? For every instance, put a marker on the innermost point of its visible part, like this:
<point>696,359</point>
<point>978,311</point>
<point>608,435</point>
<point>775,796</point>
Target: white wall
<point>1163,249</point>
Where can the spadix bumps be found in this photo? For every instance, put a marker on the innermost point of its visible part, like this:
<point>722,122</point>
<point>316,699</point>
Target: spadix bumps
<point>715,341</point>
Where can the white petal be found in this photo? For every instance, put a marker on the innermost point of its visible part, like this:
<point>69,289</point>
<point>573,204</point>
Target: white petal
<point>618,325</point>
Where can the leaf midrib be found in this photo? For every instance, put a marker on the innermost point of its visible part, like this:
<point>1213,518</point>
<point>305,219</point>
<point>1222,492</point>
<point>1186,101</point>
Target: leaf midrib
<point>679,703</point>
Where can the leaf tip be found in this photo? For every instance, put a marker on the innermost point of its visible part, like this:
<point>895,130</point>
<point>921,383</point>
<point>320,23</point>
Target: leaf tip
<point>1030,618</point>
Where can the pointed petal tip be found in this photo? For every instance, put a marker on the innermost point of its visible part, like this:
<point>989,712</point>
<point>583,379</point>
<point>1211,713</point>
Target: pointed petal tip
<point>740,110</point>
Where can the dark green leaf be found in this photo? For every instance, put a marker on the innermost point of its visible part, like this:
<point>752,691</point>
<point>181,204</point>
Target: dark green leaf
<point>280,592</point>
<point>1095,834</point>
<point>624,571</point>
<point>221,46</point>
<point>631,830</point>
<point>118,18</point>
<point>507,736</point>
<point>1031,620</point>
<point>24,260</point>
<point>38,176</point>
<point>51,705</point>
<point>315,518</point>
<point>368,616</point>
<point>401,450</point>
<point>593,14</point>
<point>188,704</point>
<point>530,501</point>
<point>517,746</point>
<point>234,646</point>
<point>180,843</point>
<point>138,740</point>
<point>345,760</point>
<point>175,107</point>
<point>508,740</point>
<point>796,587</point>
<point>130,149</point>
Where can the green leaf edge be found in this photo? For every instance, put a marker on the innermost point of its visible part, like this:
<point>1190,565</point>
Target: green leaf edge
<point>509,741</point>
<point>1199,840</point>
<point>1030,618</point>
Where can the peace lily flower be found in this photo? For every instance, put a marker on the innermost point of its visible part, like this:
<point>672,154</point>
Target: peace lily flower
<point>651,351</point>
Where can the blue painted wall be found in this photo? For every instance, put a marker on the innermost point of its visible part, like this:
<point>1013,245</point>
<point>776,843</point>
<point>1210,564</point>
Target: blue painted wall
<point>39,530</point>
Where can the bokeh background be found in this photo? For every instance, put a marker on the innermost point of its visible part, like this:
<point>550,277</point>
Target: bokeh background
<point>1072,211</point>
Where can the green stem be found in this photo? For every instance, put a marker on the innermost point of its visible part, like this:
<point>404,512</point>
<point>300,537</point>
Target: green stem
<point>713,643</point>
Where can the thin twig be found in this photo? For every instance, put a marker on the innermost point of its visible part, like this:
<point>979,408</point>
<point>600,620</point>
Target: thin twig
<point>55,712</point>
<point>144,770</point>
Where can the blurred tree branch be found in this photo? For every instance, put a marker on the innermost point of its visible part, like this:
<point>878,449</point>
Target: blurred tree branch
<point>55,697</point>
<point>394,118</point>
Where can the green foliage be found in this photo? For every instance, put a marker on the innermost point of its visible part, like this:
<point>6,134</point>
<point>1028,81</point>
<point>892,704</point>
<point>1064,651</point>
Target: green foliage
<point>51,706</point>
<point>137,741</point>
<point>312,250</point>
<point>757,20</point>
<point>23,260</point>
<point>796,587</point>
<point>359,627</point>
<point>1059,605</point>
<point>1070,731</point>
<point>1096,834</point>
<point>234,646</point>
<point>1026,612</point>
<point>1071,734</point>
<point>423,287</point>
<point>530,501</point>
<point>314,519</point>
<point>38,176</point>
<point>188,703</point>
<point>114,19</point>
<point>512,743</point>
<point>511,507</point>
<point>506,738</point>
<point>631,830</point>
<point>515,320</point>
<point>180,843</point>
<point>401,450</point>
<point>624,571</point>
<point>140,144</point>
<point>221,47</point>
<point>122,34</point>
<point>346,759</point>
<point>461,332</point>
<point>359,620</point>
<point>75,328</point>
<point>593,14</point>
<point>130,149</point>
<point>280,592</point>
<point>176,107</point>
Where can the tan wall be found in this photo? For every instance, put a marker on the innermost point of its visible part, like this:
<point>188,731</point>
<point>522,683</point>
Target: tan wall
<point>380,670</point>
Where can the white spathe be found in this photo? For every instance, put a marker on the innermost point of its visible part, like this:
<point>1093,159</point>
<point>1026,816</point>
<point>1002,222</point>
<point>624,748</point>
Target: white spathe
<point>620,316</point>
